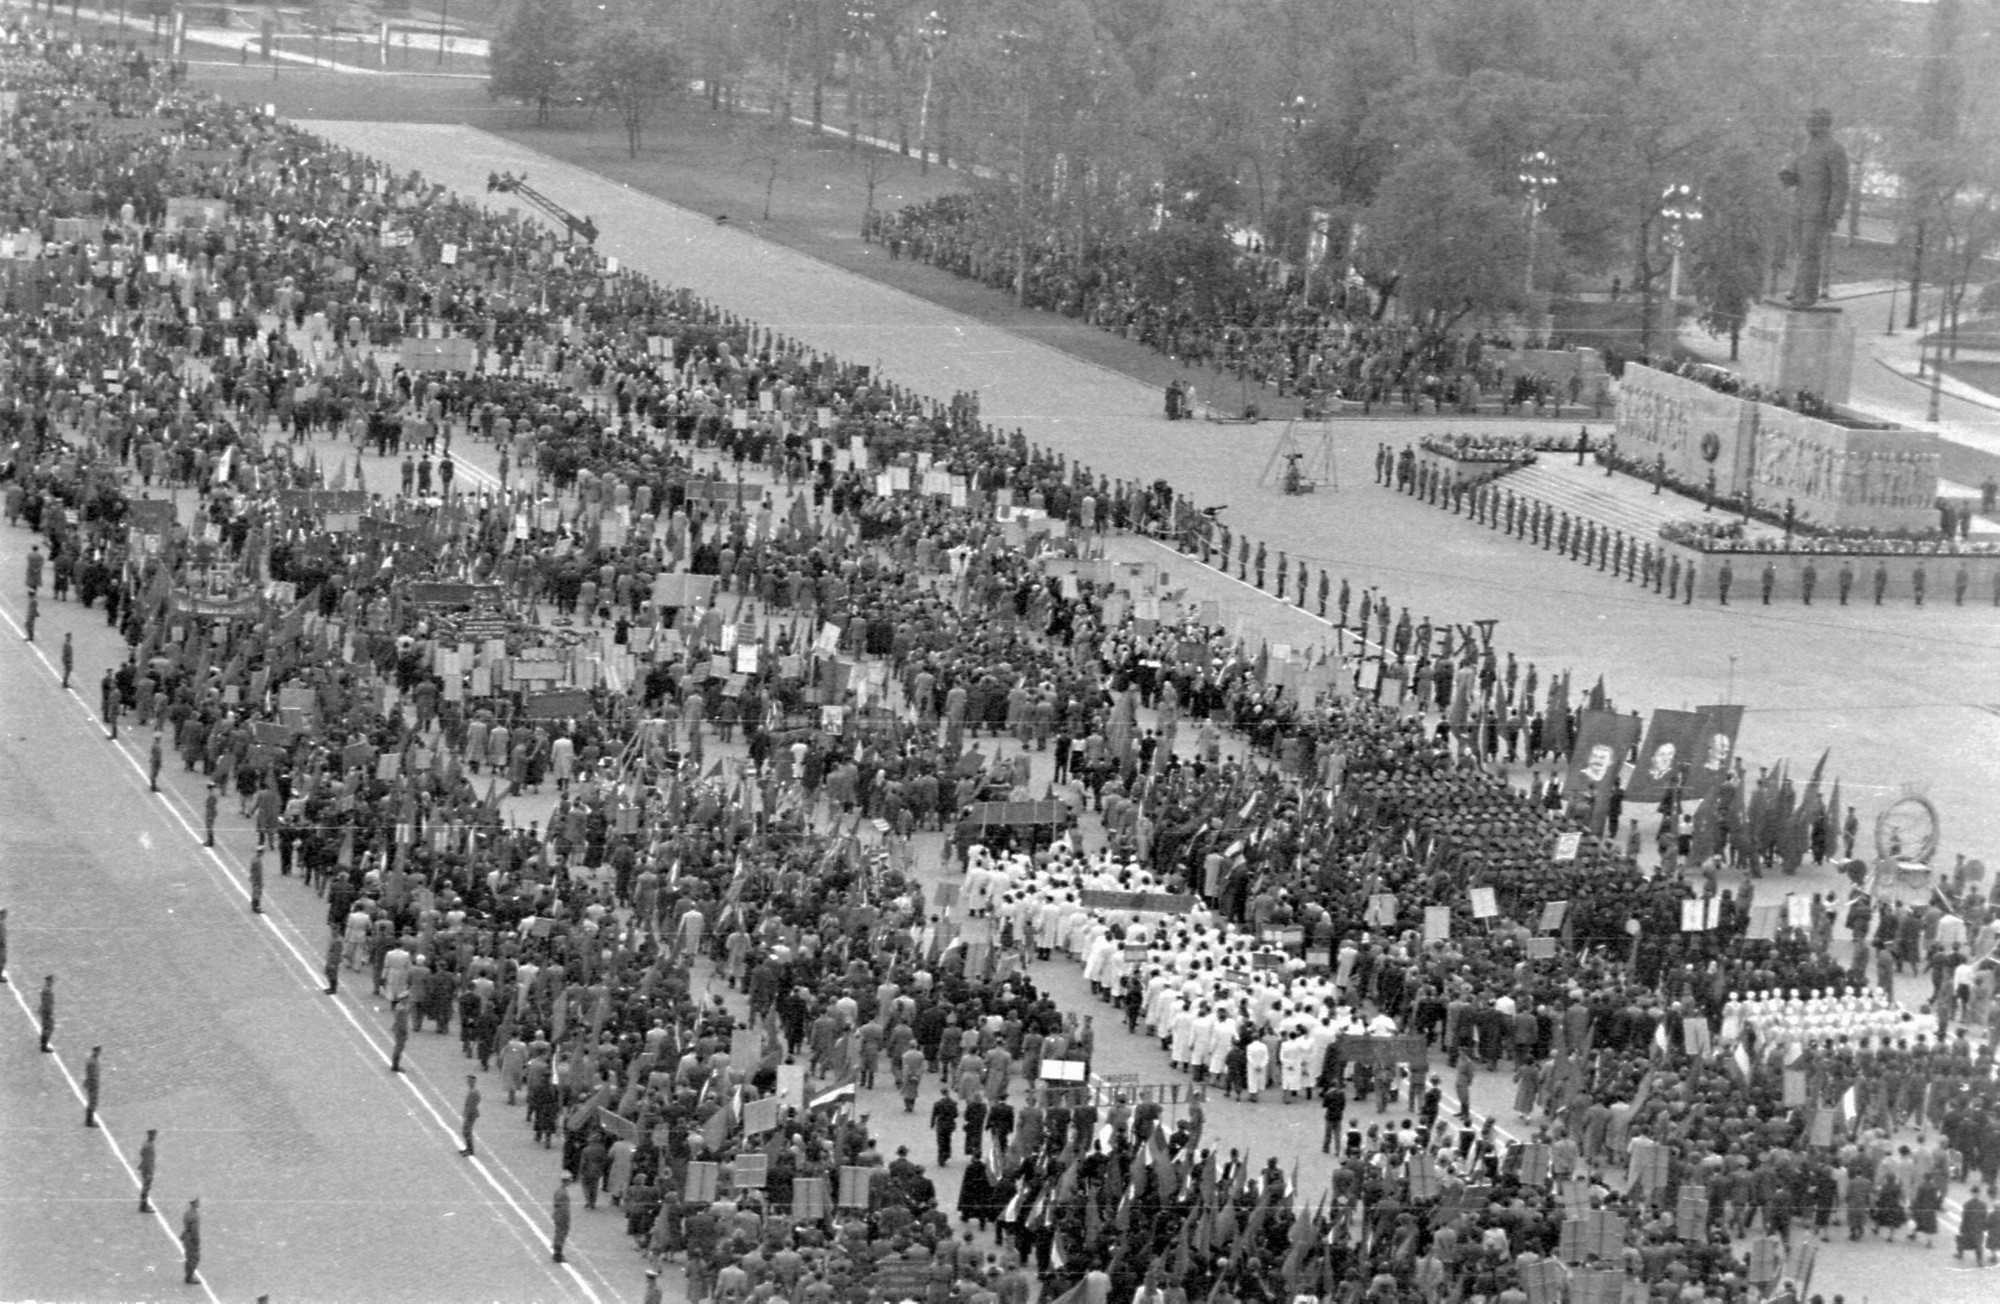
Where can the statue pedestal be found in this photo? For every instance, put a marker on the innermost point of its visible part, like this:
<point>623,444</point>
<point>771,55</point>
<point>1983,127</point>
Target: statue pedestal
<point>1787,349</point>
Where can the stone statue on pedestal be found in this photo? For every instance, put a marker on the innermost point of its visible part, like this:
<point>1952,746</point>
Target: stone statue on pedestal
<point>1818,180</point>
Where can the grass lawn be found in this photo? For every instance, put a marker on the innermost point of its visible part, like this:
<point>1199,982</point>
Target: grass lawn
<point>1980,375</point>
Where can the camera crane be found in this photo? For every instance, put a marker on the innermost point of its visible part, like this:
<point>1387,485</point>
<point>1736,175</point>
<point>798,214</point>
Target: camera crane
<point>507,183</point>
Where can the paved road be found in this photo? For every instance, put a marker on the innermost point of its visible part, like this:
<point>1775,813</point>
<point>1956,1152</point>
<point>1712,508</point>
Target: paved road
<point>322,1176</point>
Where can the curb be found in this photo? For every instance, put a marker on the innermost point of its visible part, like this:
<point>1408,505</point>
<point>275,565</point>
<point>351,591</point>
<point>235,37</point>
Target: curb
<point>1957,389</point>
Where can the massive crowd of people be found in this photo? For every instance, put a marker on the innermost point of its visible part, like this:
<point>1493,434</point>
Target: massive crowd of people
<point>1288,868</point>
<point>1314,334</point>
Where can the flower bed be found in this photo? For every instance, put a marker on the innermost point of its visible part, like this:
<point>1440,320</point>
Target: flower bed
<point>1711,534</point>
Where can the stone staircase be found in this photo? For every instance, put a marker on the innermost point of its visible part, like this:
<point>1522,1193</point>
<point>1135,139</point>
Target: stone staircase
<point>1618,501</point>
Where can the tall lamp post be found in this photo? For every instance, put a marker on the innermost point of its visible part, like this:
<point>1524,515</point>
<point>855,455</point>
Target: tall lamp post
<point>1537,177</point>
<point>1680,207</point>
<point>930,34</point>
<point>1018,46</point>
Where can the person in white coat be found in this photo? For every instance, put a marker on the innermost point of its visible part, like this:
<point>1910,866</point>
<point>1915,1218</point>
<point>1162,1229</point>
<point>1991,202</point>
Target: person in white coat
<point>1293,1053</point>
<point>1181,1037</point>
<point>1204,1042</point>
<point>1257,1067</point>
<point>562,761</point>
<point>1226,1029</point>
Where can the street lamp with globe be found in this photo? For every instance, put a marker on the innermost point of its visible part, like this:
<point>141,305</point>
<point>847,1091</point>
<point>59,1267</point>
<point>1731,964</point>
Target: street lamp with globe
<point>1537,176</point>
<point>1681,208</point>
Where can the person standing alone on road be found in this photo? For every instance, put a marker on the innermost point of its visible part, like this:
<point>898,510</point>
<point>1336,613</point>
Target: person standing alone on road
<point>148,1158</point>
<point>470,1114</point>
<point>93,1082</point>
<point>191,1241</point>
<point>399,1029</point>
<point>108,703</point>
<point>559,1216</point>
<point>47,1013</point>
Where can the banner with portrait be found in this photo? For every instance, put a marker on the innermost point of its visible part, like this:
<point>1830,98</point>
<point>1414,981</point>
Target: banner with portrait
<point>1714,753</point>
<point>1664,757</point>
<point>1602,740</point>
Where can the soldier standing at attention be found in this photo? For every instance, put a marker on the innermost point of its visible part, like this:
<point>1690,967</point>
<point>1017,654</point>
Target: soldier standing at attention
<point>93,1082</point>
<point>46,1012</point>
<point>148,1158</point>
<point>470,1113</point>
<point>399,1029</point>
<point>191,1241</point>
<point>559,1217</point>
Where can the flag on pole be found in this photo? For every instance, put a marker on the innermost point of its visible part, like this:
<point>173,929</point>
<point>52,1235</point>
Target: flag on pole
<point>832,1099</point>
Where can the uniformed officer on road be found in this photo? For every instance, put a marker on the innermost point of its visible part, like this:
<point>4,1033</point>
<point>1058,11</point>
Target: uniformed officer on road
<point>148,1160</point>
<point>559,1218</point>
<point>191,1242</point>
<point>470,1113</point>
<point>45,1012</point>
<point>93,1083</point>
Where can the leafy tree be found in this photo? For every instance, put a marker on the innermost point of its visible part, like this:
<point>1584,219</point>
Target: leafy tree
<point>1191,266</point>
<point>1729,248</point>
<point>1200,187</point>
<point>534,54</point>
<point>633,66</point>
<point>1443,239</point>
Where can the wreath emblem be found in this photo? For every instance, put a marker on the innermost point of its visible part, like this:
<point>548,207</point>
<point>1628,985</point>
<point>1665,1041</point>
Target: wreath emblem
<point>1711,446</point>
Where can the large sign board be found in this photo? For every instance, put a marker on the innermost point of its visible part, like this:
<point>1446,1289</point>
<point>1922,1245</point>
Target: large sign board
<point>452,354</point>
<point>1384,1051</point>
<point>196,210</point>
<point>1158,903</point>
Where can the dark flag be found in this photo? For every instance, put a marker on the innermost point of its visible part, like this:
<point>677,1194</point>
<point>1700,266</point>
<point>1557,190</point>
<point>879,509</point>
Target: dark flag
<point>1715,750</point>
<point>1602,740</point>
<point>1665,756</point>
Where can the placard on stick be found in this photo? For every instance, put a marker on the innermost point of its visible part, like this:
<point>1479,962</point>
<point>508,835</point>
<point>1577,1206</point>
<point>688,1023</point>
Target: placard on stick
<point>1691,1214</point>
<point>854,1180</point>
<point>1437,923</point>
<point>704,1178</point>
<point>809,1199</point>
<point>760,1116</point>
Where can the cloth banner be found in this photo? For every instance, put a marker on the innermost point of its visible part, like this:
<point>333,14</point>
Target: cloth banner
<point>1671,739</point>
<point>1602,739</point>
<point>1714,750</point>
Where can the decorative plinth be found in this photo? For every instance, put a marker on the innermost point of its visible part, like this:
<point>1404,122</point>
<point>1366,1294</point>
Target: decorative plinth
<point>1787,349</point>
